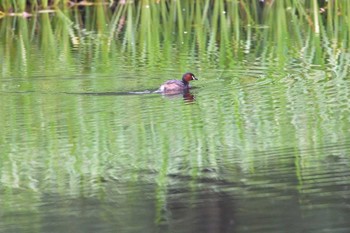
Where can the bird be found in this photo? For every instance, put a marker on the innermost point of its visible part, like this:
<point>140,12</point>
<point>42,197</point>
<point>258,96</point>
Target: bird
<point>177,86</point>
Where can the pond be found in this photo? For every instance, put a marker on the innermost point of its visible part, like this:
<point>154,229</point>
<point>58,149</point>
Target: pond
<point>260,143</point>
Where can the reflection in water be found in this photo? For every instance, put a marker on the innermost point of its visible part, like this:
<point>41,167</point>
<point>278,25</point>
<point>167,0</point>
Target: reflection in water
<point>205,207</point>
<point>186,95</point>
<point>255,156</point>
<point>263,146</point>
<point>249,158</point>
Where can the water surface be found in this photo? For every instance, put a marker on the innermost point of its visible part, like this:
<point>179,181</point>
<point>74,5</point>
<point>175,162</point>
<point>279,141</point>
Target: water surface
<point>260,145</point>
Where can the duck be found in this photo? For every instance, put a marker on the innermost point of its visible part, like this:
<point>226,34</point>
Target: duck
<point>177,86</point>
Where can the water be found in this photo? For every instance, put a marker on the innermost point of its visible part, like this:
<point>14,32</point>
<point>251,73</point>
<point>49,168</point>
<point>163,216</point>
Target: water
<point>256,147</point>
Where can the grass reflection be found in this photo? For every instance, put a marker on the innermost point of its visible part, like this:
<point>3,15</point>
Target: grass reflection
<point>293,57</point>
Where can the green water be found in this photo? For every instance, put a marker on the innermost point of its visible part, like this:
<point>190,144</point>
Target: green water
<point>261,144</point>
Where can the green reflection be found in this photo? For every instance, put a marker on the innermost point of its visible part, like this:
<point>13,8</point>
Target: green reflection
<point>269,121</point>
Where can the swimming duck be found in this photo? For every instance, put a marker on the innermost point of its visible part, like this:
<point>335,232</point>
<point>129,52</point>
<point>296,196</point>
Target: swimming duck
<point>176,86</point>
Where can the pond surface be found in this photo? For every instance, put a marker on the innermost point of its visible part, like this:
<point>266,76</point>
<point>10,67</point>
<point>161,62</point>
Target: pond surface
<point>254,147</point>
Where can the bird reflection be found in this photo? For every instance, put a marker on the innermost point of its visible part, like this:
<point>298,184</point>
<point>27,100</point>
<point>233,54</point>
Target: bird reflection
<point>186,95</point>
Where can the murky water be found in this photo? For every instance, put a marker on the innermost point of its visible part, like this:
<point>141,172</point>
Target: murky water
<point>254,148</point>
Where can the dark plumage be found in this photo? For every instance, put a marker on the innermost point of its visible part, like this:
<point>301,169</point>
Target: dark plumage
<point>176,86</point>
